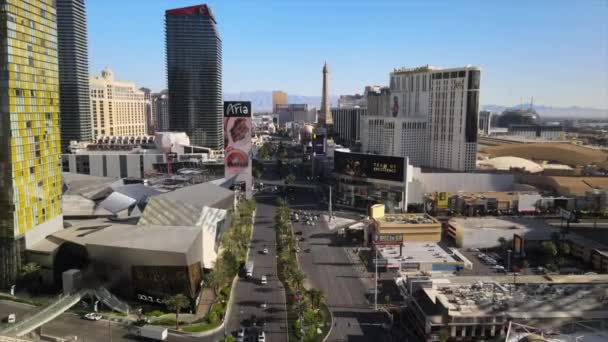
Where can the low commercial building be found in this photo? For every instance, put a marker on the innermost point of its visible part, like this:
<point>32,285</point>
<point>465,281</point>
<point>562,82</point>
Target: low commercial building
<point>140,156</point>
<point>493,202</point>
<point>404,227</point>
<point>415,257</point>
<point>480,308</point>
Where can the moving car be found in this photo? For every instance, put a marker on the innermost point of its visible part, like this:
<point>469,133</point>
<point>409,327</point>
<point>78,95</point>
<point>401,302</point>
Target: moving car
<point>11,318</point>
<point>249,269</point>
<point>261,337</point>
<point>240,335</point>
<point>152,332</point>
<point>93,316</point>
<point>264,280</point>
<point>265,251</point>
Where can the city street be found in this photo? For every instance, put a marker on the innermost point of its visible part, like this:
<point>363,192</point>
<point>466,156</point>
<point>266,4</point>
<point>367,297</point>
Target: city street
<point>250,294</point>
<point>328,268</point>
<point>70,324</point>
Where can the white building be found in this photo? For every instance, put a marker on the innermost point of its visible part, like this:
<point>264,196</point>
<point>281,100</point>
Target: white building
<point>428,115</point>
<point>117,107</point>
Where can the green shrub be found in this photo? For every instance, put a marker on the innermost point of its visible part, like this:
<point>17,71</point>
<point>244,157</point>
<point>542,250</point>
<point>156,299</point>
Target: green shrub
<point>155,313</point>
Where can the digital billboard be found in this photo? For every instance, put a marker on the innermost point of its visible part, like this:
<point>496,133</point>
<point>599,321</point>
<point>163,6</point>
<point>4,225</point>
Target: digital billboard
<point>237,142</point>
<point>319,143</point>
<point>369,166</point>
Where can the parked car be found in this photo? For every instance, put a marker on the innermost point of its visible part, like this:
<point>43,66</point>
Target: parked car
<point>262,337</point>
<point>264,280</point>
<point>93,316</point>
<point>11,318</point>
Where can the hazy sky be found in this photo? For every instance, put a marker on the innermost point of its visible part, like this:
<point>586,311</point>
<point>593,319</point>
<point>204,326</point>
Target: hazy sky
<point>556,51</point>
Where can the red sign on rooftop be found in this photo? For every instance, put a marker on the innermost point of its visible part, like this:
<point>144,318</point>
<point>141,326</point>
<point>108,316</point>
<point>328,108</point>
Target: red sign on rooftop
<point>198,9</point>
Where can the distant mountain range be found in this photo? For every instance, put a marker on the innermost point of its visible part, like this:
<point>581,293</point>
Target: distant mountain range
<point>556,112</point>
<point>261,101</point>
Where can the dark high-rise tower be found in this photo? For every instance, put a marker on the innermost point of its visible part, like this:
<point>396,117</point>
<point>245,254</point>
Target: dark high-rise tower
<point>194,75</point>
<point>74,98</point>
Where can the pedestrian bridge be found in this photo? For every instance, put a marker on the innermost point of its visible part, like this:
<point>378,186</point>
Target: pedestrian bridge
<point>30,323</point>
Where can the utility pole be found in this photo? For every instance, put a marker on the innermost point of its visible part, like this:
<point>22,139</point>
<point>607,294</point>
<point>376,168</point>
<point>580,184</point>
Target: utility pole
<point>330,208</point>
<point>376,282</point>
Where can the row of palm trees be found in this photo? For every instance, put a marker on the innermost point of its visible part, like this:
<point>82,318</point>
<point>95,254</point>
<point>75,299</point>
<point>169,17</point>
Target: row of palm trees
<point>307,302</point>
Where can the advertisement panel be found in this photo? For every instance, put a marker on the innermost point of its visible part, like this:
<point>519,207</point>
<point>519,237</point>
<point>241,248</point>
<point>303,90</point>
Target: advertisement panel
<point>319,144</point>
<point>518,244</point>
<point>388,239</point>
<point>369,166</point>
<point>442,199</point>
<point>237,142</point>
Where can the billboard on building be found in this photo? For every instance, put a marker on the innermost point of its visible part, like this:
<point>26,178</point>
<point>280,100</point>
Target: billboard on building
<point>319,144</point>
<point>237,142</point>
<point>369,166</point>
<point>442,199</point>
<point>518,244</point>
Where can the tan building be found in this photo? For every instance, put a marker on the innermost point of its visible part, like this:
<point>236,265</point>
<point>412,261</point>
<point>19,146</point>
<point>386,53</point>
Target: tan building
<point>278,98</point>
<point>399,228</point>
<point>117,107</point>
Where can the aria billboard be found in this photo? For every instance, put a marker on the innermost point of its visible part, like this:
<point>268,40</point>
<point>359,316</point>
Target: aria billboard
<point>237,142</point>
<point>369,166</point>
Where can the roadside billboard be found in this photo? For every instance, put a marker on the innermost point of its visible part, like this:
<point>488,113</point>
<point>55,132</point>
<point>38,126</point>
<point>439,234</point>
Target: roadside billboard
<point>369,166</point>
<point>237,142</point>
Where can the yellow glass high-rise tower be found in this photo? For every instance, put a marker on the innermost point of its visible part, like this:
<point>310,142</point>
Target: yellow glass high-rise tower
<point>30,169</point>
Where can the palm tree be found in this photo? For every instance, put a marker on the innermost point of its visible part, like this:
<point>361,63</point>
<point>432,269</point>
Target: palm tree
<point>316,297</point>
<point>177,302</point>
<point>502,241</point>
<point>297,279</point>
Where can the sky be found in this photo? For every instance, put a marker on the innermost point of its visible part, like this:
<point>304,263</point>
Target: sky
<point>553,50</point>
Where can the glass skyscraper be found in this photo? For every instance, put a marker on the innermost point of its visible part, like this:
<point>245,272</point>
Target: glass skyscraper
<point>73,72</point>
<point>30,168</point>
<point>194,73</point>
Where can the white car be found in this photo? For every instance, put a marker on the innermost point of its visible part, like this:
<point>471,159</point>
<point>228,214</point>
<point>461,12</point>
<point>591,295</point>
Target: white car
<point>261,337</point>
<point>93,316</point>
<point>265,251</point>
<point>240,336</point>
<point>264,280</point>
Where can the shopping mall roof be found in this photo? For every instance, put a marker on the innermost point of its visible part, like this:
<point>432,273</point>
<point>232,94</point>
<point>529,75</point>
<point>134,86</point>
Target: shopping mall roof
<point>199,195</point>
<point>106,232</point>
<point>509,163</point>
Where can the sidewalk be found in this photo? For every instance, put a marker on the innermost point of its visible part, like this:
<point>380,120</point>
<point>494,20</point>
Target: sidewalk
<point>337,221</point>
